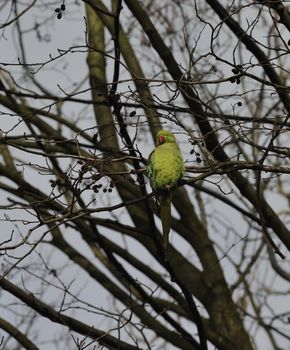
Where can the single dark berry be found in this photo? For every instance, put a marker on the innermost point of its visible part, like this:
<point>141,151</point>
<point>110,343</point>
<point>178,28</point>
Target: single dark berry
<point>132,114</point>
<point>232,79</point>
<point>57,10</point>
<point>95,138</point>
<point>62,7</point>
<point>104,190</point>
<point>239,103</point>
<point>59,15</point>
<point>110,190</point>
<point>198,160</point>
<point>238,81</point>
<point>235,71</point>
<point>111,185</point>
<point>191,151</point>
<point>197,154</point>
<point>53,272</point>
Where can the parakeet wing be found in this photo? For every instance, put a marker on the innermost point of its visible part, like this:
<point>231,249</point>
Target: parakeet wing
<point>151,169</point>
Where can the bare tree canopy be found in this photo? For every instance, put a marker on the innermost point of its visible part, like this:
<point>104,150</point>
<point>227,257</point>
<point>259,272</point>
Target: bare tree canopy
<point>85,85</point>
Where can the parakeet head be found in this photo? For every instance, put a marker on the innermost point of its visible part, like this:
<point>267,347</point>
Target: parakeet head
<point>164,136</point>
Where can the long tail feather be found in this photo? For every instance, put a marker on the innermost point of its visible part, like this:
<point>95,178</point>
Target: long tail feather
<point>165,215</point>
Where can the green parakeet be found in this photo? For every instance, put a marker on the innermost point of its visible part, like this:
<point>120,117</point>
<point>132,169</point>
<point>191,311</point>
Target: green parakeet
<point>165,167</point>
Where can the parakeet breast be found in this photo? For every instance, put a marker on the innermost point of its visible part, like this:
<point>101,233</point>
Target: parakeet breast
<point>167,164</point>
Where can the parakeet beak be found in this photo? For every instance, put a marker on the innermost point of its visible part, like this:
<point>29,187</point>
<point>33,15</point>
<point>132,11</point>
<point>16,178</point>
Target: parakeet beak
<point>161,139</point>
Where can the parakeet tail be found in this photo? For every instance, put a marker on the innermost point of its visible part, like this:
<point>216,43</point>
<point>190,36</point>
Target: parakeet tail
<point>165,215</point>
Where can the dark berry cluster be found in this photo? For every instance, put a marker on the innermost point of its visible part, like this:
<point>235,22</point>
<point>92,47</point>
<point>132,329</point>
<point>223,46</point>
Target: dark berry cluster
<point>238,72</point>
<point>192,151</point>
<point>60,10</point>
<point>96,188</point>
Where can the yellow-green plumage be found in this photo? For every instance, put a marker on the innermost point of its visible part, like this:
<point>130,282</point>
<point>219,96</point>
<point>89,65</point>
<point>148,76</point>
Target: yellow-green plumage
<point>165,168</point>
